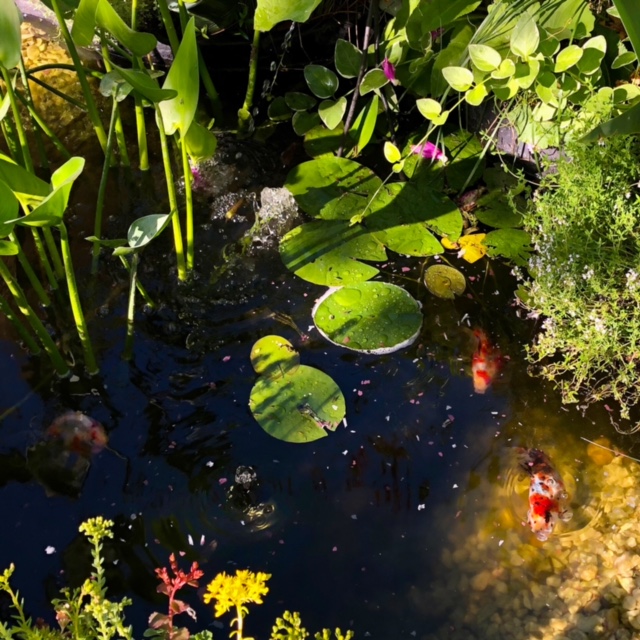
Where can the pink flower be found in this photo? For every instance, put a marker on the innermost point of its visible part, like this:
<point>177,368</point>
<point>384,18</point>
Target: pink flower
<point>429,151</point>
<point>389,71</point>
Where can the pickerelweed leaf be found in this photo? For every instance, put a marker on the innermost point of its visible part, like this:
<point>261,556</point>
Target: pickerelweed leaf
<point>201,142</point>
<point>444,281</point>
<point>273,356</point>
<point>84,23</point>
<point>143,230</point>
<point>375,317</point>
<point>9,207</point>
<point>329,252</point>
<point>145,85</point>
<point>139,43</point>
<point>364,125</point>
<point>8,248</point>
<point>512,244</point>
<point>270,12</point>
<point>322,81</point>
<point>441,13</point>
<point>348,59</point>
<point>344,183</point>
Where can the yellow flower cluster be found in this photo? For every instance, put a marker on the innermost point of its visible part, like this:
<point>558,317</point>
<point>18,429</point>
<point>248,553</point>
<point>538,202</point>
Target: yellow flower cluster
<point>235,591</point>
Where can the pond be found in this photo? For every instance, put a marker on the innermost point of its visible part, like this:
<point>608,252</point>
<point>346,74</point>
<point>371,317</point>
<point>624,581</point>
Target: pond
<point>406,522</point>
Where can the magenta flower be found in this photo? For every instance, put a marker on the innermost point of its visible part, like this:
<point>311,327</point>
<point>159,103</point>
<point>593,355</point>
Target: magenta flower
<point>429,151</point>
<point>389,71</point>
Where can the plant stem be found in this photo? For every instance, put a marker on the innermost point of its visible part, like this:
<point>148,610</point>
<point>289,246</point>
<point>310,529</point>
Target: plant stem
<point>141,127</point>
<point>26,337</point>
<point>131,308</point>
<point>143,292</point>
<point>53,252</point>
<point>74,299</point>
<point>28,100</point>
<point>82,78</point>
<point>44,258</point>
<point>188,194</point>
<point>169,27</point>
<point>50,347</point>
<point>22,136</point>
<point>27,268</point>
<point>173,200</point>
<point>251,83</point>
<point>239,622</point>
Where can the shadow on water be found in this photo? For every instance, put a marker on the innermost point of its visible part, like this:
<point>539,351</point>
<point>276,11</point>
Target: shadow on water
<point>406,522</point>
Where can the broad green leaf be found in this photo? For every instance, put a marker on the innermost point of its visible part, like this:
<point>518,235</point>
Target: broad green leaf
<point>278,110</point>
<point>373,79</point>
<point>364,125</point>
<point>495,210</point>
<point>329,252</point>
<point>476,95</point>
<point>567,58</point>
<point>331,111</point>
<point>506,70</point>
<point>506,91</point>
<point>444,281</point>
<point>391,152</point>
<point>201,142</point>
<point>348,59</point>
<point>329,180</point>
<point>322,81</point>
<point>24,184</point>
<point>139,43</point>
<point>375,317</point>
<point>300,406</point>
<point>512,244</point>
<point>441,13</point>
<point>273,356</point>
<point>454,54</point>
<point>594,50</point>
<point>183,77</point>
<point>526,73</point>
<point>320,141</point>
<point>484,57</point>
<point>628,12</point>
<point>143,230</point>
<point>543,112</point>
<point>429,108</point>
<point>270,12</point>
<point>145,85</point>
<point>113,85</point>
<point>625,92</point>
<point>525,37</point>
<point>299,101</point>
<point>8,248</point>
<point>10,36</point>
<point>84,23</point>
<point>302,122</point>
<point>9,207</point>
<point>459,78</point>
<point>624,59</point>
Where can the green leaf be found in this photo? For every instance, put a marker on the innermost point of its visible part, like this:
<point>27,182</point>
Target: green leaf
<point>278,111</point>
<point>454,54</point>
<point>624,59</point>
<point>331,111</point>
<point>512,244</point>
<point>485,58</point>
<point>594,50</point>
<point>299,406</point>
<point>458,78</point>
<point>375,317</point>
<point>84,23</point>
<point>25,185</point>
<point>507,90</point>
<point>348,59</point>
<point>628,11</point>
<point>139,43</point>
<point>329,180</point>
<point>444,282</point>
<point>495,210</point>
<point>569,19</point>
<point>201,143</point>
<point>567,57</point>
<point>8,248</point>
<point>183,77</point>
<point>145,85</point>
<point>298,101</point>
<point>329,252</point>
<point>364,125</point>
<point>273,356</point>
<point>525,37</point>
<point>391,152</point>
<point>429,108</point>
<point>625,124</point>
<point>441,13</point>
<point>625,92</point>
<point>526,73</point>
<point>143,230</point>
<point>320,141</point>
<point>10,36</point>
<point>270,12</point>
<point>506,69</point>
<point>373,79</point>
<point>322,81</point>
<point>303,122</point>
<point>476,95</point>
<point>9,207</point>
<point>466,158</point>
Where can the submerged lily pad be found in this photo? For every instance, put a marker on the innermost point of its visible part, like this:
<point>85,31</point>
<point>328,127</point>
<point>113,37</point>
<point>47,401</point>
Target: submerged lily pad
<point>273,355</point>
<point>329,253</point>
<point>374,317</point>
<point>444,282</point>
<point>300,406</point>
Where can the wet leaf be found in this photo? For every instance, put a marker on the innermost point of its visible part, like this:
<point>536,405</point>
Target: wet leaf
<point>444,281</point>
<point>300,406</point>
<point>329,253</point>
<point>273,356</point>
<point>472,247</point>
<point>375,317</point>
<point>512,244</point>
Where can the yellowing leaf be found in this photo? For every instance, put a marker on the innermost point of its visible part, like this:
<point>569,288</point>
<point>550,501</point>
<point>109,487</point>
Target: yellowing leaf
<point>471,247</point>
<point>447,244</point>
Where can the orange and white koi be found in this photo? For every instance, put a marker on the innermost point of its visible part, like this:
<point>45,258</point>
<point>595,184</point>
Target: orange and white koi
<point>78,433</point>
<point>485,363</point>
<point>547,494</point>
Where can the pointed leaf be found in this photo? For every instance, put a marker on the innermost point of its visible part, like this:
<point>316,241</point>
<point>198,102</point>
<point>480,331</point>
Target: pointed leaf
<point>373,79</point>
<point>348,59</point>
<point>364,125</point>
<point>9,207</point>
<point>391,152</point>
<point>10,36</point>
<point>201,142</point>
<point>568,57</point>
<point>145,85</point>
<point>441,13</point>
<point>429,108</point>
<point>139,43</point>
<point>145,229</point>
<point>623,60</point>
<point>322,81</point>
<point>484,57</point>
<point>525,37</point>
<point>8,248</point>
<point>84,23</point>
<point>270,12</point>
<point>331,111</point>
<point>459,78</point>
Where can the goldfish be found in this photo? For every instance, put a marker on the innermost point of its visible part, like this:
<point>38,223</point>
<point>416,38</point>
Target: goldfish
<point>78,433</point>
<point>485,363</point>
<point>547,494</point>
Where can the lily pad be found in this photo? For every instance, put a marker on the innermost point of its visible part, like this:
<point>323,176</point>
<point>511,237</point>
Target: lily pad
<point>273,356</point>
<point>374,317</point>
<point>317,183</point>
<point>512,244</point>
<point>300,406</point>
<point>328,252</point>
<point>444,282</point>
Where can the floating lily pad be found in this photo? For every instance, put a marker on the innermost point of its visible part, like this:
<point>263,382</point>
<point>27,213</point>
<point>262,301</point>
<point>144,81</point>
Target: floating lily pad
<point>444,282</point>
<point>300,406</point>
<point>374,317</point>
<point>273,356</point>
<point>328,252</point>
<point>316,183</point>
<point>495,210</point>
<point>512,244</point>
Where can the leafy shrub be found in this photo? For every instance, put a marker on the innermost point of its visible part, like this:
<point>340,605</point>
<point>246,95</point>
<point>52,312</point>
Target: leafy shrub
<point>585,224</point>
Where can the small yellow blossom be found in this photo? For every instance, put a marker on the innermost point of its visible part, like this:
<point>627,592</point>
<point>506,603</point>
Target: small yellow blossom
<point>235,591</point>
<point>97,528</point>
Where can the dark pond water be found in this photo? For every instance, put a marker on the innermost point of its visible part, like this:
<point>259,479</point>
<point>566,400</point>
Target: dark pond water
<point>358,528</point>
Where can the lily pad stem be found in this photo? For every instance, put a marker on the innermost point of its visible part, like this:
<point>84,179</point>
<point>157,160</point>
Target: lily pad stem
<point>131,308</point>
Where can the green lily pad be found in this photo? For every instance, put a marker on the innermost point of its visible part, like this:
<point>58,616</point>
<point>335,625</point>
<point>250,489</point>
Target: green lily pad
<point>328,252</point>
<point>374,317</point>
<point>512,244</point>
<point>273,356</point>
<point>317,183</point>
<point>495,210</point>
<point>444,282</point>
<point>300,406</point>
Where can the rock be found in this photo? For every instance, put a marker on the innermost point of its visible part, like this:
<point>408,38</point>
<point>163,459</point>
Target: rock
<point>589,573</point>
<point>481,581</point>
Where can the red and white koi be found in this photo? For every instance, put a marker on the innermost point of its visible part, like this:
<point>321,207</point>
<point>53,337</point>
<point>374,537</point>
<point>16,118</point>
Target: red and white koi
<point>485,363</point>
<point>78,433</point>
<point>547,494</point>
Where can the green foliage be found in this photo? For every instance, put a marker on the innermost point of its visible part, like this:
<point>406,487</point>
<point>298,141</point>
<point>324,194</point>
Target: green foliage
<point>586,274</point>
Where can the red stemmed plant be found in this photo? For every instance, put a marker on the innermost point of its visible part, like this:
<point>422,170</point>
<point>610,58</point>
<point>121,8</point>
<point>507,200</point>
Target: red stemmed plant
<point>161,624</point>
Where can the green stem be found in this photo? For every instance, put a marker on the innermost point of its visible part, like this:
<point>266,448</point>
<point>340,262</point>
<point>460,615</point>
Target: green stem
<point>141,126</point>
<point>44,258</point>
<point>243,122</point>
<point>173,200</point>
<point>25,336</point>
<point>102,189</point>
<point>188,193</point>
<point>28,100</point>
<point>143,292</point>
<point>31,274</point>
<point>11,140</point>
<point>74,299</point>
<point>60,94</point>
<point>128,343</point>
<point>82,78</point>
<point>54,253</point>
<point>39,329</point>
<point>22,136</point>
<point>169,27</point>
